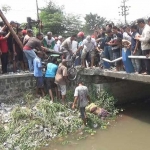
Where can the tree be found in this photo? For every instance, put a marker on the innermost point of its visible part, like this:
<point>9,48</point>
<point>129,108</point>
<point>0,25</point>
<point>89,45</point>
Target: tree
<point>93,20</point>
<point>52,18</point>
<point>6,8</point>
<point>72,23</point>
<point>56,21</point>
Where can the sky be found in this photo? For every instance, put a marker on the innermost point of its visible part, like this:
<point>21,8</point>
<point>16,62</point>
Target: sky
<point>21,9</point>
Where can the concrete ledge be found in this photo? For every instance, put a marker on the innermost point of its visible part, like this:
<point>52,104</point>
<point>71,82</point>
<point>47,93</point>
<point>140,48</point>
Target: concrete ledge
<point>17,75</point>
<point>120,75</point>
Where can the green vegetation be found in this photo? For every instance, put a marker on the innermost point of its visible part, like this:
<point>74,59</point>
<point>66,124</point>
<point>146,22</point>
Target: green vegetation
<point>34,126</point>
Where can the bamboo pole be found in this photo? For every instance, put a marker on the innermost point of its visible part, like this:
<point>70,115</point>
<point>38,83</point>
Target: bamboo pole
<point>11,30</point>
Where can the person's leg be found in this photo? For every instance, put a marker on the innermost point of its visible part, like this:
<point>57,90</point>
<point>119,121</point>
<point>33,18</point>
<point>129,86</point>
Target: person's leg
<point>138,62</point>
<point>92,55</point>
<point>2,61</point>
<point>5,62</point>
<point>63,93</point>
<point>147,61</point>
<point>82,111</point>
<point>51,95</point>
<point>133,62</point>
<point>30,55</point>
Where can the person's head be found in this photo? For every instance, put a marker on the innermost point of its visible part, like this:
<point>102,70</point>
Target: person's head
<point>141,23</point>
<point>88,38</point>
<point>60,38</point>
<point>64,62</point>
<point>14,24</point>
<point>134,28</point>
<point>40,54</point>
<point>108,26</point>
<point>49,35</point>
<point>109,32</point>
<point>126,28</point>
<point>29,32</point>
<point>148,21</point>
<point>80,35</point>
<point>73,37</point>
<point>56,38</point>
<point>24,32</point>
<point>20,32</point>
<point>80,82</point>
<point>115,29</point>
<point>39,36</point>
<point>54,60</point>
<point>2,33</point>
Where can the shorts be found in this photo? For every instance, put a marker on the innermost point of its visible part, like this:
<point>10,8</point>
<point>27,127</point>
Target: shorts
<point>82,112</point>
<point>85,54</point>
<point>39,82</point>
<point>50,83</point>
<point>62,89</point>
<point>116,54</point>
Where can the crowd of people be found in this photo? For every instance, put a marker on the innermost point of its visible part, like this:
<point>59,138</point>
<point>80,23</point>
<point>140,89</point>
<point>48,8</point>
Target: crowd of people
<point>106,42</point>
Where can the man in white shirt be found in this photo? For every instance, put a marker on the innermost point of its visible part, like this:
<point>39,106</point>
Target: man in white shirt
<point>67,46</point>
<point>145,42</point>
<point>88,45</point>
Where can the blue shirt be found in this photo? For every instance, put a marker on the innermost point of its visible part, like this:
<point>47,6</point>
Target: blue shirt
<point>51,70</point>
<point>37,67</point>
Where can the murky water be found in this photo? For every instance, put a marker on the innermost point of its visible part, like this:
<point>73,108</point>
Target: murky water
<point>131,131</point>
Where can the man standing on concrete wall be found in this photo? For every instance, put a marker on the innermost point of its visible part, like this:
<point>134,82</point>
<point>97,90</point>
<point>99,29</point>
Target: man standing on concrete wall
<point>145,43</point>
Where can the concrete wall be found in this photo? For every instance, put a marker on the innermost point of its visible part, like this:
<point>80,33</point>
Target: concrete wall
<point>14,86</point>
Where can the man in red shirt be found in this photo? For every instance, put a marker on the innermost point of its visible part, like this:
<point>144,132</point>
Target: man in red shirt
<point>4,51</point>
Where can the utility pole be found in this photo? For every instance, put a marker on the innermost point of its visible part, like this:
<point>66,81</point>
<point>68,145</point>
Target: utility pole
<point>124,10</point>
<point>37,9</point>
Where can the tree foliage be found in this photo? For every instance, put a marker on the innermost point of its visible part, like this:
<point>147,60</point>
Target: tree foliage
<point>91,20</point>
<point>6,8</point>
<point>56,21</point>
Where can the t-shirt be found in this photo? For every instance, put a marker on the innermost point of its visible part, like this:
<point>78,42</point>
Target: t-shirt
<point>37,67</point>
<point>74,46</point>
<point>49,43</point>
<point>82,93</point>
<point>89,46</point>
<point>33,43</point>
<point>61,73</point>
<point>114,40</point>
<point>66,45</point>
<point>3,45</point>
<point>51,70</point>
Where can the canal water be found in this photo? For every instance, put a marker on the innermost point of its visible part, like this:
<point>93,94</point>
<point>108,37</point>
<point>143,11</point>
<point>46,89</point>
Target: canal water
<point>130,131</point>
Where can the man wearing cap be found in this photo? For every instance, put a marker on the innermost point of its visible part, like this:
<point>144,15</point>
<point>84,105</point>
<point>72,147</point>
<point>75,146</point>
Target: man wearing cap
<point>28,49</point>
<point>49,41</point>
<point>145,43</point>
<point>88,45</point>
